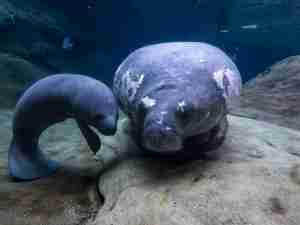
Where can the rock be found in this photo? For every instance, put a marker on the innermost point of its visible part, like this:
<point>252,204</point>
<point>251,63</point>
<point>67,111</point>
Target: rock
<point>69,197</point>
<point>252,179</point>
<point>274,95</point>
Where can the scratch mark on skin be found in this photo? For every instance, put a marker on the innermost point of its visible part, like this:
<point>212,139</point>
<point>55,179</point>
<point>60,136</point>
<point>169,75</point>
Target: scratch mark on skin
<point>141,79</point>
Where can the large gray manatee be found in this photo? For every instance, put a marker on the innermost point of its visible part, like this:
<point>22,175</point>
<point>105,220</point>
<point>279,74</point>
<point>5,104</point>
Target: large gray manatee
<point>177,95</point>
<point>52,100</point>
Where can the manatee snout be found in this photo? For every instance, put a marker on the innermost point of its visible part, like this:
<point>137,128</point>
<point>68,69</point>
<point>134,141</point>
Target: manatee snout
<point>160,137</point>
<point>166,127</point>
<point>162,141</point>
<point>107,125</point>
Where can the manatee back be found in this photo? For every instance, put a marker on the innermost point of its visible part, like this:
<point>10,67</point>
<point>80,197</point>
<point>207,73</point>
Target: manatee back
<point>50,99</point>
<point>156,66</point>
<point>37,103</point>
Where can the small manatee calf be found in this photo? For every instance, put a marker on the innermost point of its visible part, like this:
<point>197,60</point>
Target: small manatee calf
<point>177,95</point>
<point>52,100</point>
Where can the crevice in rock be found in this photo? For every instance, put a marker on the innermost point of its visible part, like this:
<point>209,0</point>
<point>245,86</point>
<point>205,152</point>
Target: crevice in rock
<point>100,195</point>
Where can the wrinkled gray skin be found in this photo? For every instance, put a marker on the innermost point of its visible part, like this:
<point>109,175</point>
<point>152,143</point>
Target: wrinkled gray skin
<point>177,94</point>
<point>52,100</point>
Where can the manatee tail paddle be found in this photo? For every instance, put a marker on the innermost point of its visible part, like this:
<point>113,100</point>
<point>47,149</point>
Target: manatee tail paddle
<point>27,162</point>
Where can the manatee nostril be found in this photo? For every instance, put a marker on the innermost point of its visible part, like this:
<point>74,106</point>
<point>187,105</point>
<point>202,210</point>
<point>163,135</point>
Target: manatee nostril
<point>162,141</point>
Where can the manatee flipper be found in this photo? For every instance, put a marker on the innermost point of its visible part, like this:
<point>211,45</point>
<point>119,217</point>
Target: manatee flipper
<point>91,137</point>
<point>29,163</point>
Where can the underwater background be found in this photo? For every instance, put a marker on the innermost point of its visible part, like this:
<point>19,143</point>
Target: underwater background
<point>93,37</point>
<point>42,37</point>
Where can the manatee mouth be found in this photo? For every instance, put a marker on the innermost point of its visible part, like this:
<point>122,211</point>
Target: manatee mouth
<point>107,126</point>
<point>166,141</point>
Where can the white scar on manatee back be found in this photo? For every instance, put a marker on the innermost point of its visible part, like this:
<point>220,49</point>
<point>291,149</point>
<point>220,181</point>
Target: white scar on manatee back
<point>226,73</point>
<point>181,106</point>
<point>230,82</point>
<point>131,83</point>
<point>148,102</point>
